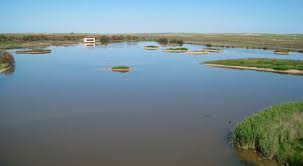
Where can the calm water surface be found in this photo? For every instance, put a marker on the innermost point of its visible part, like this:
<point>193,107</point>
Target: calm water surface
<point>67,108</point>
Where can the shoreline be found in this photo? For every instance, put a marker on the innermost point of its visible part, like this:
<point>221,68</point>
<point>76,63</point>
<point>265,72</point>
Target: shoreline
<point>265,41</point>
<point>294,72</point>
<point>15,45</point>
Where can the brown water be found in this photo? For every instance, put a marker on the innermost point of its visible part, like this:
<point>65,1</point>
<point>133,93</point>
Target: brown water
<point>66,108</point>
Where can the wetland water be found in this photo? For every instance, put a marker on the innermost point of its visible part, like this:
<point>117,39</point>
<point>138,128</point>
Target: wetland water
<point>67,108</point>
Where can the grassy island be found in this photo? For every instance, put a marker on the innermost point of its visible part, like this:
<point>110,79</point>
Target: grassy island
<point>151,47</point>
<point>120,69</point>
<point>213,50</point>
<point>176,50</point>
<point>7,61</point>
<point>276,133</point>
<point>34,51</point>
<point>261,64</point>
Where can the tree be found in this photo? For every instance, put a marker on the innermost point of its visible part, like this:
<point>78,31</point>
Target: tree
<point>104,39</point>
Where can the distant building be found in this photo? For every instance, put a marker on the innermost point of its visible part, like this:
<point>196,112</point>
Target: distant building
<point>89,39</point>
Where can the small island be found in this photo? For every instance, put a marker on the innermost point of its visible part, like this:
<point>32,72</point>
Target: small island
<point>261,64</point>
<point>34,51</point>
<point>210,49</point>
<point>151,47</point>
<point>122,69</point>
<point>176,50</point>
<point>275,133</point>
<point>281,52</point>
<point>198,52</point>
<point>7,61</point>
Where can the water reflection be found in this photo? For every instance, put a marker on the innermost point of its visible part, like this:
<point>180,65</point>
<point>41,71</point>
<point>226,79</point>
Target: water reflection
<point>89,44</point>
<point>9,71</point>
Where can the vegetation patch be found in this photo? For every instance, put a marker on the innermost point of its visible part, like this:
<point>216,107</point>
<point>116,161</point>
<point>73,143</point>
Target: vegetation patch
<point>104,39</point>
<point>214,49</point>
<point>34,51</point>
<point>121,69</point>
<point>6,60</point>
<point>276,133</point>
<point>151,47</point>
<point>262,64</point>
<point>176,50</point>
<point>239,40</point>
<point>176,41</point>
<point>163,41</point>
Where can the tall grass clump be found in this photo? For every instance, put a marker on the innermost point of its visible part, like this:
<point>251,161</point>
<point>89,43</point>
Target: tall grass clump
<point>6,60</point>
<point>176,41</point>
<point>163,41</point>
<point>276,133</point>
<point>104,39</point>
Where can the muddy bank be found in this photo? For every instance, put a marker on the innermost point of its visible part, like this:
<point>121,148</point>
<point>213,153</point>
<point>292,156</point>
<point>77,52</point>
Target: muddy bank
<point>295,72</point>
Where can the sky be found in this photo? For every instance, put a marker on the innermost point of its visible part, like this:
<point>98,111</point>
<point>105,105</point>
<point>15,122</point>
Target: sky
<point>151,16</point>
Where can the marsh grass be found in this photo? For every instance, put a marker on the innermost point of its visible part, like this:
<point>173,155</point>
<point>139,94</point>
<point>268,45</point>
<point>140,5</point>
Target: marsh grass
<point>276,64</point>
<point>151,46</point>
<point>177,49</point>
<point>276,133</point>
<point>120,67</point>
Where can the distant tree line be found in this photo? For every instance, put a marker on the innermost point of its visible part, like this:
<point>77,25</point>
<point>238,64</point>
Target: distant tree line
<point>111,38</point>
<point>60,37</point>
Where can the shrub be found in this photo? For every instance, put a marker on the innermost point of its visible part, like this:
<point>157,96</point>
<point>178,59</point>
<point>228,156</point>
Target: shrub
<point>34,37</point>
<point>6,60</point>
<point>104,39</point>
<point>129,37</point>
<point>67,38</point>
<point>176,41</point>
<point>118,37</point>
<point>163,41</point>
<point>209,45</point>
<point>3,38</point>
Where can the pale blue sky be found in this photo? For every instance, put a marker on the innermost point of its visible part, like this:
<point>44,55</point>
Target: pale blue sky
<point>122,16</point>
